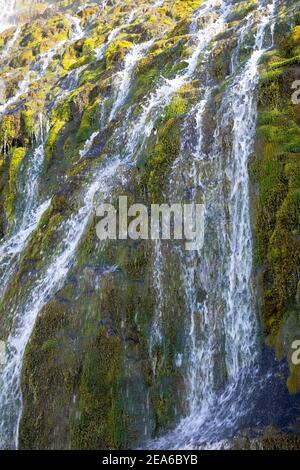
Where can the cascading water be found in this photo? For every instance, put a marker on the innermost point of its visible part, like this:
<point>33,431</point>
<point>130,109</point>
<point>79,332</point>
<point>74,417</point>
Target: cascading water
<point>8,8</point>
<point>31,213</point>
<point>10,44</point>
<point>122,84</point>
<point>241,326</point>
<point>24,317</point>
<point>221,331</point>
<point>50,280</point>
<point>202,38</point>
<point>228,310</point>
<point>11,248</point>
<point>194,353</point>
<point>123,78</point>
<point>100,51</point>
<point>39,69</point>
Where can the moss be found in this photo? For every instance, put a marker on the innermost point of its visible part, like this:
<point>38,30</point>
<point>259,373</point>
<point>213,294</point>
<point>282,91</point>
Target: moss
<point>126,291</point>
<point>49,373</point>
<point>89,247</point>
<point>268,116</point>
<point>78,54</point>
<point>276,172</point>
<point>221,57</point>
<point>147,72</point>
<point>176,108</point>
<point>89,122</point>
<point>9,131</point>
<point>269,441</point>
<point>73,114</point>
<point>181,9</point>
<point>40,36</point>
<point>29,117</point>
<point>92,75</point>
<point>26,58</point>
<point>17,157</point>
<point>166,150</point>
<point>133,259</point>
<point>242,9</point>
<point>98,405</point>
<point>53,137</point>
<point>116,52</point>
<point>270,75</point>
<point>166,147</point>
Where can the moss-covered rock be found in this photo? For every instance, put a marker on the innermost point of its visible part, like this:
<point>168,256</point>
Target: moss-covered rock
<point>94,374</point>
<point>275,171</point>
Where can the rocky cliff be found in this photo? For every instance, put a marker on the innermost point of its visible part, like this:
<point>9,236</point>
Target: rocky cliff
<point>128,343</point>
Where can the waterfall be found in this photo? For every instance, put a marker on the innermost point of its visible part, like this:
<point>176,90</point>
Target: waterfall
<point>53,275</point>
<point>221,330</point>
<point>158,272</point>
<point>224,330</point>
<point>162,96</point>
<point>121,85</point>
<point>25,315</point>
<point>240,322</point>
<point>13,246</point>
<point>123,78</point>
<point>39,71</point>
<point>8,9</point>
<point>33,211</point>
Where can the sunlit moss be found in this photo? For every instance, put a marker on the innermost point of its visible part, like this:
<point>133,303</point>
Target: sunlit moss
<point>276,171</point>
<point>17,157</point>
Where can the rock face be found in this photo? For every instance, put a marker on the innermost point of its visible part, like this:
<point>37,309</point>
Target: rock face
<point>114,344</point>
<point>275,173</point>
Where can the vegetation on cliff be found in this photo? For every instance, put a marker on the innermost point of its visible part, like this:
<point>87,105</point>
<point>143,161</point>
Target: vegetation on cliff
<point>276,176</point>
<point>89,83</point>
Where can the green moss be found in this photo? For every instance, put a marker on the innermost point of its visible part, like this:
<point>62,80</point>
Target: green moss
<point>99,408</point>
<point>53,137</point>
<point>40,36</point>
<point>116,51</point>
<point>268,116</point>
<point>92,75</point>
<point>78,111</point>
<point>276,172</point>
<point>49,374</point>
<point>89,122</point>
<point>146,73</point>
<point>30,122</point>
<point>242,9</point>
<point>17,157</point>
<point>9,130</point>
<point>181,10</point>
<point>166,150</point>
<point>166,147</point>
<point>78,54</point>
<point>176,108</point>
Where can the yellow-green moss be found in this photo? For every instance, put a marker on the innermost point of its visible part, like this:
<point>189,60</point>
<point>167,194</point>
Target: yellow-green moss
<point>9,130</point>
<point>276,172</point>
<point>166,147</point>
<point>98,404</point>
<point>89,122</point>
<point>116,51</point>
<point>17,157</point>
<point>182,9</point>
